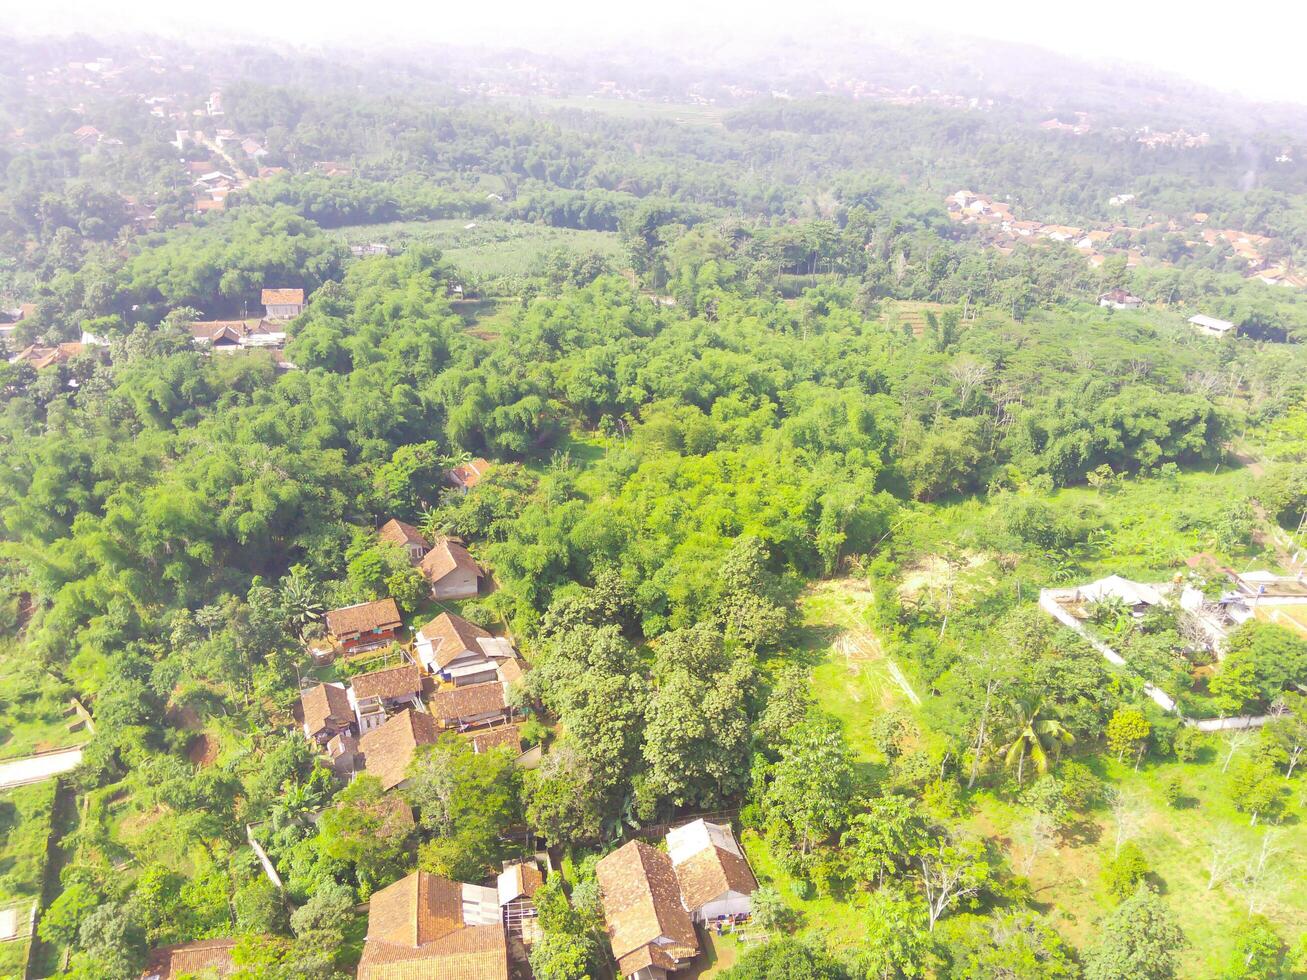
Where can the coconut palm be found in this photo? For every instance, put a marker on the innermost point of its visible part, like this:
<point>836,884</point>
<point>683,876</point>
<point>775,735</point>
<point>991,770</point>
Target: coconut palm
<point>1035,737</point>
<point>432,524</point>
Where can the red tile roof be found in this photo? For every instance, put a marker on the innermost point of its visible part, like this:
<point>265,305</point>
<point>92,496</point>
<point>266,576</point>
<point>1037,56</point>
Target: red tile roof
<point>397,532</point>
<point>642,903</point>
<point>283,297</point>
<point>387,750</point>
<point>452,636</point>
<point>380,614</point>
<point>444,557</point>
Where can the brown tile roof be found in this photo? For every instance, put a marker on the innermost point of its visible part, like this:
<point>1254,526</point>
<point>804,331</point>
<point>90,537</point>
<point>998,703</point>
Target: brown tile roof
<point>710,874</point>
<point>388,749</point>
<point>511,670</point>
<point>519,881</point>
<point>42,357</point>
<point>325,705</point>
<point>493,738</point>
<point>416,932</point>
<point>214,330</point>
<point>469,474</point>
<point>364,616</point>
<point>397,532</point>
<point>451,706</point>
<point>452,636</point>
<point>282,297</point>
<point>393,682</point>
<point>205,957</point>
<point>444,557</point>
<point>642,902</point>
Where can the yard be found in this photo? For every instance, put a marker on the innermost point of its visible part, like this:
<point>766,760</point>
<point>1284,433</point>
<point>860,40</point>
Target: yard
<point>35,714</point>
<point>489,249</point>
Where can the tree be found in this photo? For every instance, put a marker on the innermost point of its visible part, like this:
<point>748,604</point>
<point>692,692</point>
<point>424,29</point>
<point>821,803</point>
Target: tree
<point>1139,940</point>
<point>570,947</point>
<point>785,958</point>
<point>882,842</point>
<point>1286,733</point>
<point>1222,856</point>
<point>367,829</point>
<point>1014,944</point>
<point>897,942</point>
<point>110,943</point>
<point>810,787</point>
<point>466,801</point>
<point>1257,789</point>
<point>62,920</point>
<point>769,911</point>
<point>1127,814</point>
<point>1128,731</point>
<point>1034,737</point>
<point>1125,872</point>
<point>952,872</point>
<point>1258,952</point>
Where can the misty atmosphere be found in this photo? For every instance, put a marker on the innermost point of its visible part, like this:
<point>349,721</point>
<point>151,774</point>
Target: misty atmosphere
<point>694,495</point>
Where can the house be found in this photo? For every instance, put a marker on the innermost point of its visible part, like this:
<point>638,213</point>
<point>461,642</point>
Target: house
<point>452,572</point>
<point>204,958</point>
<point>713,874</point>
<point>504,736</point>
<point>283,304</point>
<point>473,706</point>
<point>425,926</point>
<point>88,135</point>
<point>326,711</point>
<point>40,356</point>
<point>1211,326</point>
<point>343,754</point>
<point>1137,598</point>
<point>407,537</point>
<point>516,886</point>
<point>649,930</point>
<point>364,625</point>
<point>467,475</point>
<point>1119,299</point>
<point>450,647</point>
<point>389,749</point>
<point>377,695</point>
<point>371,248</point>
<point>218,334</point>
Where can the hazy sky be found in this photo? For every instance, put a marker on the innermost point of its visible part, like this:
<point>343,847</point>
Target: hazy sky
<point>1256,50</point>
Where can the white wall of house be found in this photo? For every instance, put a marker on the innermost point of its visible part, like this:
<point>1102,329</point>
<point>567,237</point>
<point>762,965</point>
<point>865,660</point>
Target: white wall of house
<point>457,584</point>
<point>732,903</point>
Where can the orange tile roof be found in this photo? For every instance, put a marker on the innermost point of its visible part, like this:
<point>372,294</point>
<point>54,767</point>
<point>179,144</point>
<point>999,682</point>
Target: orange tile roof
<point>458,704</point>
<point>444,557</point>
<point>469,474</point>
<point>416,932</point>
<point>452,636</point>
<point>282,297</point>
<point>397,532</point>
<point>324,706</point>
<point>710,874</point>
<point>206,957</point>
<point>380,614</point>
<point>493,738</point>
<point>392,682</point>
<point>387,750</point>
<point>642,903</point>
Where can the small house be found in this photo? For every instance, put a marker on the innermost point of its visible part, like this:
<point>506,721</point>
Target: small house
<point>473,706</point>
<point>408,537</point>
<point>1211,326</point>
<point>467,475</point>
<point>203,958</point>
<point>388,749</point>
<point>427,926</point>
<point>326,711</point>
<point>715,879</point>
<point>283,304</point>
<point>377,695</point>
<point>364,625</point>
<point>450,648</point>
<point>516,886</point>
<point>451,570</point>
<point>649,930</point>
<point>1119,299</point>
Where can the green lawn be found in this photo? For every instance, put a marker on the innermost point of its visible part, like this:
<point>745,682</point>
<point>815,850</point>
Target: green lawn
<point>25,815</point>
<point>490,249</point>
<point>34,711</point>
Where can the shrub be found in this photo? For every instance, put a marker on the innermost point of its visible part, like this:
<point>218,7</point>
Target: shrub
<point>1124,873</point>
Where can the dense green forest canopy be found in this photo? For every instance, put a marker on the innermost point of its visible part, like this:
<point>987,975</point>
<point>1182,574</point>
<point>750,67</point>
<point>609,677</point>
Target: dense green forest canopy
<point>792,429</point>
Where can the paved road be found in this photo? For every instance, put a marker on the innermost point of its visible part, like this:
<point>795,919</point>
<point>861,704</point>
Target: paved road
<point>33,769</point>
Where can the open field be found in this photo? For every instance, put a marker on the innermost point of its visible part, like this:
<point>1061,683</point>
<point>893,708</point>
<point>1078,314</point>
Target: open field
<point>34,713</point>
<point>489,249</point>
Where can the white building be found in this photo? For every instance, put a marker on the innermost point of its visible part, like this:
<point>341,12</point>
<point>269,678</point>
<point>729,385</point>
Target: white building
<point>1211,326</point>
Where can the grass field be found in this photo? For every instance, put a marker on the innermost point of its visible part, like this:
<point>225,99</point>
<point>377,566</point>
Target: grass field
<point>34,712</point>
<point>489,249</point>
<point>25,823</point>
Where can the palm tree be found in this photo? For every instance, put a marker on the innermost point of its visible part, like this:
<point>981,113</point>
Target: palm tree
<point>432,524</point>
<point>1035,736</point>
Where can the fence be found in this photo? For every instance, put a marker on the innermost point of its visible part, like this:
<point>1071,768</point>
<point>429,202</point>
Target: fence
<point>1048,601</point>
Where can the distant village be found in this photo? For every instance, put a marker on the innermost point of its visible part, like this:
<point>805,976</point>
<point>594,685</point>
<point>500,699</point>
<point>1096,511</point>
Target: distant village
<point>1003,231</point>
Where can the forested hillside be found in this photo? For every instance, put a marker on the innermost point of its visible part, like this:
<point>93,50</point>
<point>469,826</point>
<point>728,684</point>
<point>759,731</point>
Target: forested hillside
<point>782,479</point>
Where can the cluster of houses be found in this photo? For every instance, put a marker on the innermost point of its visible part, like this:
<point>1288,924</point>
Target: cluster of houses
<point>425,925</point>
<point>1005,231</point>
